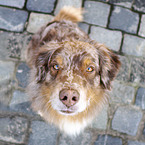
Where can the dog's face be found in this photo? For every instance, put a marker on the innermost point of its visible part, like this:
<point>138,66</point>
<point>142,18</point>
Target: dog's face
<point>72,77</point>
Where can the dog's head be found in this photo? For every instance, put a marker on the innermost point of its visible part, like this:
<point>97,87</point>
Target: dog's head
<point>73,75</point>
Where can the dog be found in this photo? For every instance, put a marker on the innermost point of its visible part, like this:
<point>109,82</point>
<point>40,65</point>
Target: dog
<point>70,73</point>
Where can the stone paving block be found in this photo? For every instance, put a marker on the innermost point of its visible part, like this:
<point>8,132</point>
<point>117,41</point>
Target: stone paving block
<point>133,45</point>
<point>22,75</point>
<point>13,3</point>
<point>140,98</point>
<point>6,76</point>
<point>137,71</point>
<point>135,143</point>
<point>6,71</point>
<point>4,143</point>
<point>26,39</point>
<point>112,39</point>
<point>45,6</point>
<point>142,26</point>
<point>13,20</point>
<point>42,134</point>
<point>5,93</point>
<point>4,107</point>
<point>21,102</point>
<point>144,131</point>
<point>139,5</point>
<point>108,140</point>
<point>123,74</point>
<point>100,122</point>
<point>126,120</point>
<point>96,13</point>
<point>122,93</point>
<point>83,139</point>
<point>84,27</point>
<point>12,44</point>
<point>124,3</point>
<point>36,21</point>
<point>102,0</point>
<point>13,129</point>
<point>124,19</point>
<point>62,3</point>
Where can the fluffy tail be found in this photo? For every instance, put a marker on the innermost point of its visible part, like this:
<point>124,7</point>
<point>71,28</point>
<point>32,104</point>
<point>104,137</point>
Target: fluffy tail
<point>70,13</point>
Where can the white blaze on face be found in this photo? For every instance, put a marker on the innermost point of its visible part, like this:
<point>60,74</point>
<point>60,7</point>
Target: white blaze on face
<point>69,74</point>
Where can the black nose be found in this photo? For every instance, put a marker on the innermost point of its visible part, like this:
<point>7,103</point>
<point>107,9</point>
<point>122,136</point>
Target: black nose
<point>69,97</point>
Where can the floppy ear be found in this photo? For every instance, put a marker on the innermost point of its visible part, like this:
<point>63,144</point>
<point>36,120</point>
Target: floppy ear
<point>109,66</point>
<point>42,65</point>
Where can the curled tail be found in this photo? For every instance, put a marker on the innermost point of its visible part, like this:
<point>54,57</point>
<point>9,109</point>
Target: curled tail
<point>70,13</point>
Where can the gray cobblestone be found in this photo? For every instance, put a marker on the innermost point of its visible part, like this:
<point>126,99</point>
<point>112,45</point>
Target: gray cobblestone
<point>24,45</point>
<point>123,74</point>
<point>4,143</point>
<point>5,94</point>
<point>122,93</point>
<point>139,5</point>
<point>108,140</point>
<point>13,20</point>
<point>13,3</point>
<point>13,45</point>
<point>4,107</point>
<point>13,129</point>
<point>22,75</point>
<point>42,134</point>
<point>6,75</point>
<point>84,27</point>
<point>74,3</point>
<point>100,122</point>
<point>144,131</point>
<point>135,143</point>
<point>36,21</point>
<point>20,102</point>
<point>97,13</point>
<point>126,120</point>
<point>7,71</point>
<point>119,17</point>
<point>83,139</point>
<point>140,98</point>
<point>133,45</point>
<point>102,0</point>
<point>111,39</point>
<point>137,71</point>
<point>125,3</point>
<point>41,5</point>
<point>142,26</point>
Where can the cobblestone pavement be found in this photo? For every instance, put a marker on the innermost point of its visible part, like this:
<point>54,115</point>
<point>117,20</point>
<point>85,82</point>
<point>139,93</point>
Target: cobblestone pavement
<point>120,24</point>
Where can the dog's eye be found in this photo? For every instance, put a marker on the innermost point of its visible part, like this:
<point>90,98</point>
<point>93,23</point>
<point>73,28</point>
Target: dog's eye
<point>90,69</point>
<point>56,67</point>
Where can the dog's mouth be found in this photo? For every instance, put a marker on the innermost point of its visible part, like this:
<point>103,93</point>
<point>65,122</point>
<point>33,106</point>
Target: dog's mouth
<point>67,112</point>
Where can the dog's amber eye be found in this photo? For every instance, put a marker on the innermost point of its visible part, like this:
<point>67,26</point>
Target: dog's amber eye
<point>56,67</point>
<point>90,69</point>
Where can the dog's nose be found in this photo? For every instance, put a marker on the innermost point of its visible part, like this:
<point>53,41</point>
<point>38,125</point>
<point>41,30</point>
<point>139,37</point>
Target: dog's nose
<point>69,97</point>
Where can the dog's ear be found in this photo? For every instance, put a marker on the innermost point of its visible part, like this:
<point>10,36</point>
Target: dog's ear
<point>42,65</point>
<point>109,66</point>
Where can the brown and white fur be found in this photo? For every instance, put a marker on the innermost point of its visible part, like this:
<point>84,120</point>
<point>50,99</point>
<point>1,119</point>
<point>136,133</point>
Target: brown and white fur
<point>70,73</point>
